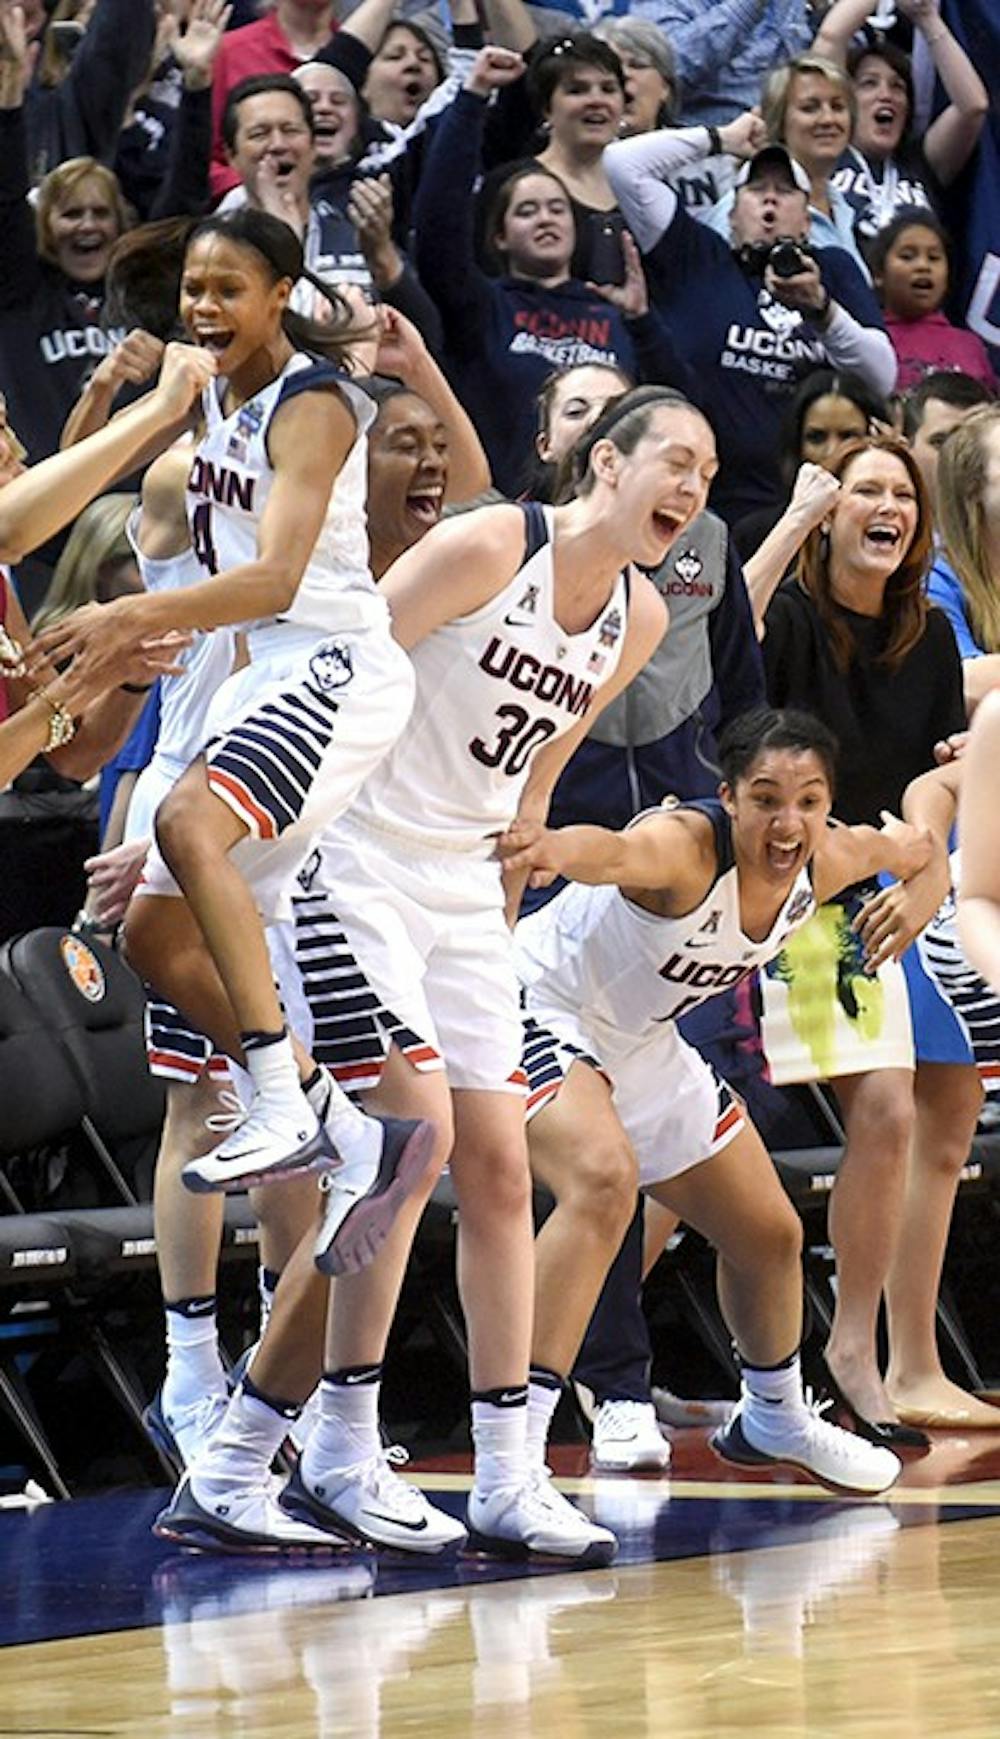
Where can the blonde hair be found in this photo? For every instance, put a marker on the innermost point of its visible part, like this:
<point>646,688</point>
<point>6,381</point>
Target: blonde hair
<point>97,540</point>
<point>962,468</point>
<point>60,185</point>
<point>778,86</point>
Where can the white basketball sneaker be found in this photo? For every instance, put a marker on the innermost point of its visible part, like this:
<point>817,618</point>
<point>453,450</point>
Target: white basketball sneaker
<point>371,1504</point>
<point>800,1438</point>
<point>267,1144</point>
<point>241,1519</point>
<point>627,1438</point>
<point>536,1521</point>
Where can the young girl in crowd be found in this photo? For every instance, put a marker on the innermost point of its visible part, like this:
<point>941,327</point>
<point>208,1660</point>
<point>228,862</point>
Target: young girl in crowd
<point>910,265</point>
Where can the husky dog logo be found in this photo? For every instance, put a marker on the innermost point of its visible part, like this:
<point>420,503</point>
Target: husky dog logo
<point>85,970</point>
<point>688,566</point>
<point>332,666</point>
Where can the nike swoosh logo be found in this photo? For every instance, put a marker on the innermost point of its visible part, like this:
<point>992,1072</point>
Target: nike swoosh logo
<point>397,1521</point>
<point>513,620</point>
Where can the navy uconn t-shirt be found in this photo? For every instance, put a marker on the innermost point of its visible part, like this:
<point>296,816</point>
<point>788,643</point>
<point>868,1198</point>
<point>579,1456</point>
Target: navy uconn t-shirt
<point>749,352</point>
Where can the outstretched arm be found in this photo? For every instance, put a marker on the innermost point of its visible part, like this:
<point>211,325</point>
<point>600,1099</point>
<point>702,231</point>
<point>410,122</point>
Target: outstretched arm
<point>664,852</point>
<point>44,499</point>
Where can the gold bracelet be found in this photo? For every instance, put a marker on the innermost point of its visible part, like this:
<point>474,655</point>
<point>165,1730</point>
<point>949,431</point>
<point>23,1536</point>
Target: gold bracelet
<point>62,725</point>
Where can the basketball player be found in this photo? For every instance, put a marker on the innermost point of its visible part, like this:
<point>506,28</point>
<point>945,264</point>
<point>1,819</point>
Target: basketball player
<point>684,904</point>
<point>522,622</point>
<point>276,510</point>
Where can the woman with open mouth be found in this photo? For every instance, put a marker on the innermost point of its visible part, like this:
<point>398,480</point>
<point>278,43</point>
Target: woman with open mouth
<point>887,168</point>
<point>683,903</point>
<point>853,639</point>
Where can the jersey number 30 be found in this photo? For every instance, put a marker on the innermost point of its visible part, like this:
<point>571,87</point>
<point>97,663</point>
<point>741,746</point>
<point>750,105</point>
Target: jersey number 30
<point>517,738</point>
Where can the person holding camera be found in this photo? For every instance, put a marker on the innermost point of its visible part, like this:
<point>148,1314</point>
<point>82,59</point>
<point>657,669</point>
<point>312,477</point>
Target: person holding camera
<point>755,314</point>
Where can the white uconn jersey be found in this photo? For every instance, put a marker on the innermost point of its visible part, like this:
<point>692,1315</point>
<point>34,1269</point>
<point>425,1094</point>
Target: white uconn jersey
<point>230,481</point>
<point>492,689</point>
<point>628,970</point>
<point>205,664</point>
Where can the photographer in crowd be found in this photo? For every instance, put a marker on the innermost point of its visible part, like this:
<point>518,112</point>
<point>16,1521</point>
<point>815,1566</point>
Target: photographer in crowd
<point>752,315</point>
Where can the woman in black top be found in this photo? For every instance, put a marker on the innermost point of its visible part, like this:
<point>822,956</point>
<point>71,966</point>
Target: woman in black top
<point>853,639</point>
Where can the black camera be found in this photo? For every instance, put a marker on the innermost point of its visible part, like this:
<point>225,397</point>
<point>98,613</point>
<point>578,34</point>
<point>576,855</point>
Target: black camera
<point>787,258</point>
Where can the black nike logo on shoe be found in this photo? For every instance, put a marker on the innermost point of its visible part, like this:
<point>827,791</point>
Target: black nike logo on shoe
<point>397,1521</point>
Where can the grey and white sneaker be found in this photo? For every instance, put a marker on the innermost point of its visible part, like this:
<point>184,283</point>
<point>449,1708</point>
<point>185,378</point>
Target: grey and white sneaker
<point>265,1146</point>
<point>179,1433</point>
<point>627,1438</point>
<point>683,1412</point>
<point>536,1521</point>
<point>246,1519</point>
<point>361,1200</point>
<point>370,1504</point>
<point>838,1459</point>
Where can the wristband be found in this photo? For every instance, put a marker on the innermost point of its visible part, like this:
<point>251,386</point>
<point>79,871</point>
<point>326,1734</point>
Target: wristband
<point>715,145</point>
<point>135,687</point>
<point>822,315</point>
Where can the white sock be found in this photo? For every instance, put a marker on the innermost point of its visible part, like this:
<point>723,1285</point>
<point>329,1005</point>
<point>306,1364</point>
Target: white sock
<point>772,1402</point>
<point>354,1135</point>
<point>275,1076</point>
<point>543,1400</point>
<point>242,1450</point>
<point>500,1437</point>
<point>194,1368</point>
<point>346,1430</point>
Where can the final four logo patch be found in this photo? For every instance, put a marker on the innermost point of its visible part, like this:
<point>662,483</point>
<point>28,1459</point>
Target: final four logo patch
<point>85,970</point>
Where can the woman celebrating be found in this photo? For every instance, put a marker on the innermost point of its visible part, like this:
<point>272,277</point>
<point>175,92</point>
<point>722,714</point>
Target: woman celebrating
<point>523,622</point>
<point>808,106</point>
<point>853,639</point>
<point>505,335</point>
<point>709,892</point>
<point>887,169</point>
<point>276,508</point>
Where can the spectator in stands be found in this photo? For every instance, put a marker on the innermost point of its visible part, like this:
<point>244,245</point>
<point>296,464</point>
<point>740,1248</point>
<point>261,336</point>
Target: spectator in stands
<point>506,334</point>
<point>404,70</point>
<point>75,107</point>
<point>650,67</point>
<point>725,48</point>
<point>910,265</point>
<point>289,33</point>
<point>930,412</point>
<point>964,578</point>
<point>748,331</point>
<point>570,400</point>
<point>337,116</point>
<point>269,132</point>
<point>577,88</point>
<point>853,638</point>
<point>808,106</point>
<point>886,168</point>
<point>166,134</point>
<point>826,411</point>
